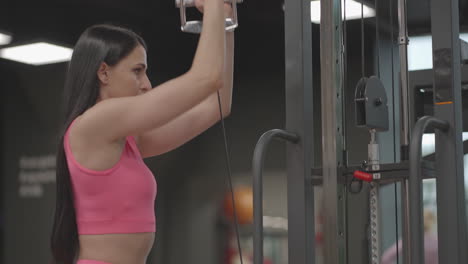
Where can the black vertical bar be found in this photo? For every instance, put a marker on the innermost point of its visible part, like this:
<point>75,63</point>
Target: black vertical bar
<point>363,65</point>
<point>416,245</point>
<point>345,146</point>
<point>299,120</point>
<point>257,169</point>
<point>392,45</point>
<point>332,132</point>
<point>451,218</point>
<point>403,43</point>
<point>405,128</point>
<point>377,35</point>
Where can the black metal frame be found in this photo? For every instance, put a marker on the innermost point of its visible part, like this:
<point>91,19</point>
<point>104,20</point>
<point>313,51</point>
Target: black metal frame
<point>331,62</point>
<point>451,216</point>
<point>416,237</point>
<point>299,120</point>
<point>257,167</point>
<point>334,174</point>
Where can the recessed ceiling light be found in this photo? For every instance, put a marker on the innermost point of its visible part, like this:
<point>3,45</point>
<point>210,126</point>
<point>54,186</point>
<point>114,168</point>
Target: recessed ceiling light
<point>353,10</point>
<point>4,38</point>
<point>39,53</point>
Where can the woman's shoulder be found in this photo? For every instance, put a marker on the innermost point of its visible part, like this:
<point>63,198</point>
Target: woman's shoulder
<point>91,152</point>
<point>84,131</point>
<point>86,126</point>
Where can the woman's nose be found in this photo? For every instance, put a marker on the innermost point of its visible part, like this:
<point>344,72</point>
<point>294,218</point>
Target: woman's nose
<point>146,85</point>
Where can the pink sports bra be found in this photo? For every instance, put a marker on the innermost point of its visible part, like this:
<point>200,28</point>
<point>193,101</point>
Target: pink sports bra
<point>116,200</point>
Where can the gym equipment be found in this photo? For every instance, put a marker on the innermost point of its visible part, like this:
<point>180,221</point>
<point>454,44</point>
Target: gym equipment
<point>195,26</point>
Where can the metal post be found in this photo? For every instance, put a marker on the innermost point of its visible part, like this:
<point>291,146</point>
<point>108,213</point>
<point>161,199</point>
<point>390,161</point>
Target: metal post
<point>257,169</point>
<point>451,218</point>
<point>416,245</point>
<point>403,44</point>
<point>299,120</point>
<point>405,125</point>
<point>332,132</point>
<point>405,204</point>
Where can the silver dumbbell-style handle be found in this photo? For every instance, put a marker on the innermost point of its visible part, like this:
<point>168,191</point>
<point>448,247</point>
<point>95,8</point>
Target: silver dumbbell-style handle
<point>191,3</point>
<point>195,26</point>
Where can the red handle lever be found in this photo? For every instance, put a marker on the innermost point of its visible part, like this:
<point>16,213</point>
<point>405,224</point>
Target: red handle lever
<point>363,176</point>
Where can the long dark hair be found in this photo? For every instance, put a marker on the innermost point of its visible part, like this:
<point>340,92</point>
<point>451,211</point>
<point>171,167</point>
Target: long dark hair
<point>97,44</point>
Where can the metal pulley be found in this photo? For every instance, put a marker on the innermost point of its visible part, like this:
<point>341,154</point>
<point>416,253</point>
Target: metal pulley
<point>195,26</point>
<point>371,104</point>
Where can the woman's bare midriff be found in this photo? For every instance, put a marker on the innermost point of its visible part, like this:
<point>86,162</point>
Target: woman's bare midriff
<point>131,248</point>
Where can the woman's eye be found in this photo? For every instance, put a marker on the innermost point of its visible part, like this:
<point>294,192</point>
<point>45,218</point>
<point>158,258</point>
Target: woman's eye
<point>138,70</point>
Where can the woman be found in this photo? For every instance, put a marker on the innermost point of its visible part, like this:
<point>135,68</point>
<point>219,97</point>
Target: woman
<point>105,193</point>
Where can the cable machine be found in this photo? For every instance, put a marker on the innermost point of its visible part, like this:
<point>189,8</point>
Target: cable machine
<point>373,100</point>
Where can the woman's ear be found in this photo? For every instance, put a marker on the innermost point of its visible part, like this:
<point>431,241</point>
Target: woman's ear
<point>103,73</point>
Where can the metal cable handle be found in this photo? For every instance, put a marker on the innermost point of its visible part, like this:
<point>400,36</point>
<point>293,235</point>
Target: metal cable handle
<point>416,236</point>
<point>257,166</point>
<point>191,3</point>
<point>195,26</point>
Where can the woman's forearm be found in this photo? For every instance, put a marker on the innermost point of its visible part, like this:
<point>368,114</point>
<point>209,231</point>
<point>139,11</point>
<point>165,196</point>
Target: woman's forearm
<point>209,56</point>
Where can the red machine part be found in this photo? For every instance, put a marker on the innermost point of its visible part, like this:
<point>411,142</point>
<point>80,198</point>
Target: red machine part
<point>363,176</point>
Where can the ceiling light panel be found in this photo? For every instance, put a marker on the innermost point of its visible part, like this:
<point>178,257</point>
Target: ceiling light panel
<point>39,53</point>
<point>4,39</point>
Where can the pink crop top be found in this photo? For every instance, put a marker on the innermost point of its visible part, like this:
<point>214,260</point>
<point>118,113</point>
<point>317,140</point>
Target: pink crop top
<point>116,200</point>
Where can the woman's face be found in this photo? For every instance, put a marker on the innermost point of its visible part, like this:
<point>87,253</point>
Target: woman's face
<point>126,78</point>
